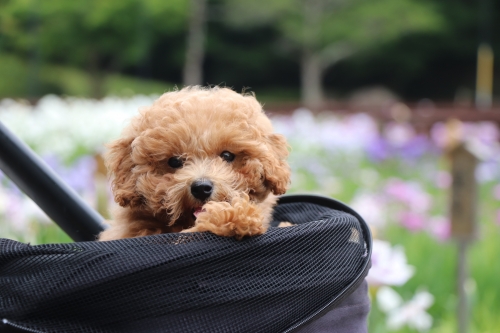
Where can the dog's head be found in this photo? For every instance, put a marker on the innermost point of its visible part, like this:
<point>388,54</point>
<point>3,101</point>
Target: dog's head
<point>197,145</point>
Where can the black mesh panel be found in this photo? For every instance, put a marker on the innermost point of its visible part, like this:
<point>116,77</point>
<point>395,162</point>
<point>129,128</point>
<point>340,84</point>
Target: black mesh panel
<point>187,282</point>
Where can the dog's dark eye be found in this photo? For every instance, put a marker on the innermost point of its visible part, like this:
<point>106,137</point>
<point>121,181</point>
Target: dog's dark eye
<point>175,162</point>
<point>227,156</point>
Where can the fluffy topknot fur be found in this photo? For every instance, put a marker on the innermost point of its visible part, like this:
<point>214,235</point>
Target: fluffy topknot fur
<point>197,125</point>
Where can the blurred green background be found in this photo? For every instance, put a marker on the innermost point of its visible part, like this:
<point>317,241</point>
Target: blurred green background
<point>109,53</point>
<point>286,50</point>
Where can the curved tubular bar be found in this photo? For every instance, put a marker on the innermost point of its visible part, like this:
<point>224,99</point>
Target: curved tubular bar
<point>47,190</point>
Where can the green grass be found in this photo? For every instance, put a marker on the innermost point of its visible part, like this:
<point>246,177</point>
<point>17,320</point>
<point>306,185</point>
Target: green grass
<point>436,264</point>
<point>51,233</point>
<point>36,233</point>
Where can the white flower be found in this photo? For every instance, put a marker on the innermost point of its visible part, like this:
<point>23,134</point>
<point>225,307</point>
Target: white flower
<point>389,266</point>
<point>411,313</point>
<point>350,134</point>
<point>63,126</point>
<point>371,207</point>
<point>399,134</point>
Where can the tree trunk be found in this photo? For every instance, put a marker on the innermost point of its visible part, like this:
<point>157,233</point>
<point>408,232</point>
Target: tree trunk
<point>96,75</point>
<point>195,52</point>
<point>311,77</point>
<point>311,69</point>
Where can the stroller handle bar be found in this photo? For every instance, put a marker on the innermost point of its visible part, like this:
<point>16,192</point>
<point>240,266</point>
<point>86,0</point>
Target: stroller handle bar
<point>61,203</point>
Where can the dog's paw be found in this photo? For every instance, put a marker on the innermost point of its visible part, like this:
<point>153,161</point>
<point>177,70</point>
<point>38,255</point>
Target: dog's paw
<point>285,224</point>
<point>238,219</point>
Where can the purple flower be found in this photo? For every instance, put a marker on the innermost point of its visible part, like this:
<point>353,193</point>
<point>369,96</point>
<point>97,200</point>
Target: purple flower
<point>79,176</point>
<point>378,150</point>
<point>439,134</point>
<point>14,214</point>
<point>54,163</point>
<point>315,167</point>
<point>404,145</point>
<point>496,192</point>
<point>409,193</point>
<point>443,179</point>
<point>440,228</point>
<point>415,148</point>
<point>486,132</point>
<point>412,221</point>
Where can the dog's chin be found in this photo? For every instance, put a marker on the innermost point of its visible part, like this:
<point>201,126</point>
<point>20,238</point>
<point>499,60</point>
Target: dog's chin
<point>185,221</point>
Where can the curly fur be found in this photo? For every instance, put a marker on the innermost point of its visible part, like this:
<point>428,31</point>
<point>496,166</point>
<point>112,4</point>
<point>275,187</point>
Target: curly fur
<point>197,124</point>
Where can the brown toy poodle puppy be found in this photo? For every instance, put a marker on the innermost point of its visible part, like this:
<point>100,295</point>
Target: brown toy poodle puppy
<point>198,159</point>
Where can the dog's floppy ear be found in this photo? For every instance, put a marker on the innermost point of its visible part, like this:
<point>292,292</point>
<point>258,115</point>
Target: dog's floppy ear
<point>119,163</point>
<point>277,171</point>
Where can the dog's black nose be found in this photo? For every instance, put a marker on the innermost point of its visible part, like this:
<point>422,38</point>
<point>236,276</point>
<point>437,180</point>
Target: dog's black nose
<point>202,189</point>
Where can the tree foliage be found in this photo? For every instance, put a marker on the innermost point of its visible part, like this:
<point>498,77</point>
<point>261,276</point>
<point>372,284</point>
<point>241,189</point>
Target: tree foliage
<point>95,34</point>
<point>416,47</point>
<point>74,30</point>
<point>323,32</point>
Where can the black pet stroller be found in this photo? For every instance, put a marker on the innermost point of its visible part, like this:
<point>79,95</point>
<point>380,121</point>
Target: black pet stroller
<point>306,278</point>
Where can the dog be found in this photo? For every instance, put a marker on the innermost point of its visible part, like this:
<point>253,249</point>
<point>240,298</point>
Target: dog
<point>199,159</point>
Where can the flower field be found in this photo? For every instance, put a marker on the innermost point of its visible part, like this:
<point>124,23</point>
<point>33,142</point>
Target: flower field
<point>397,179</point>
